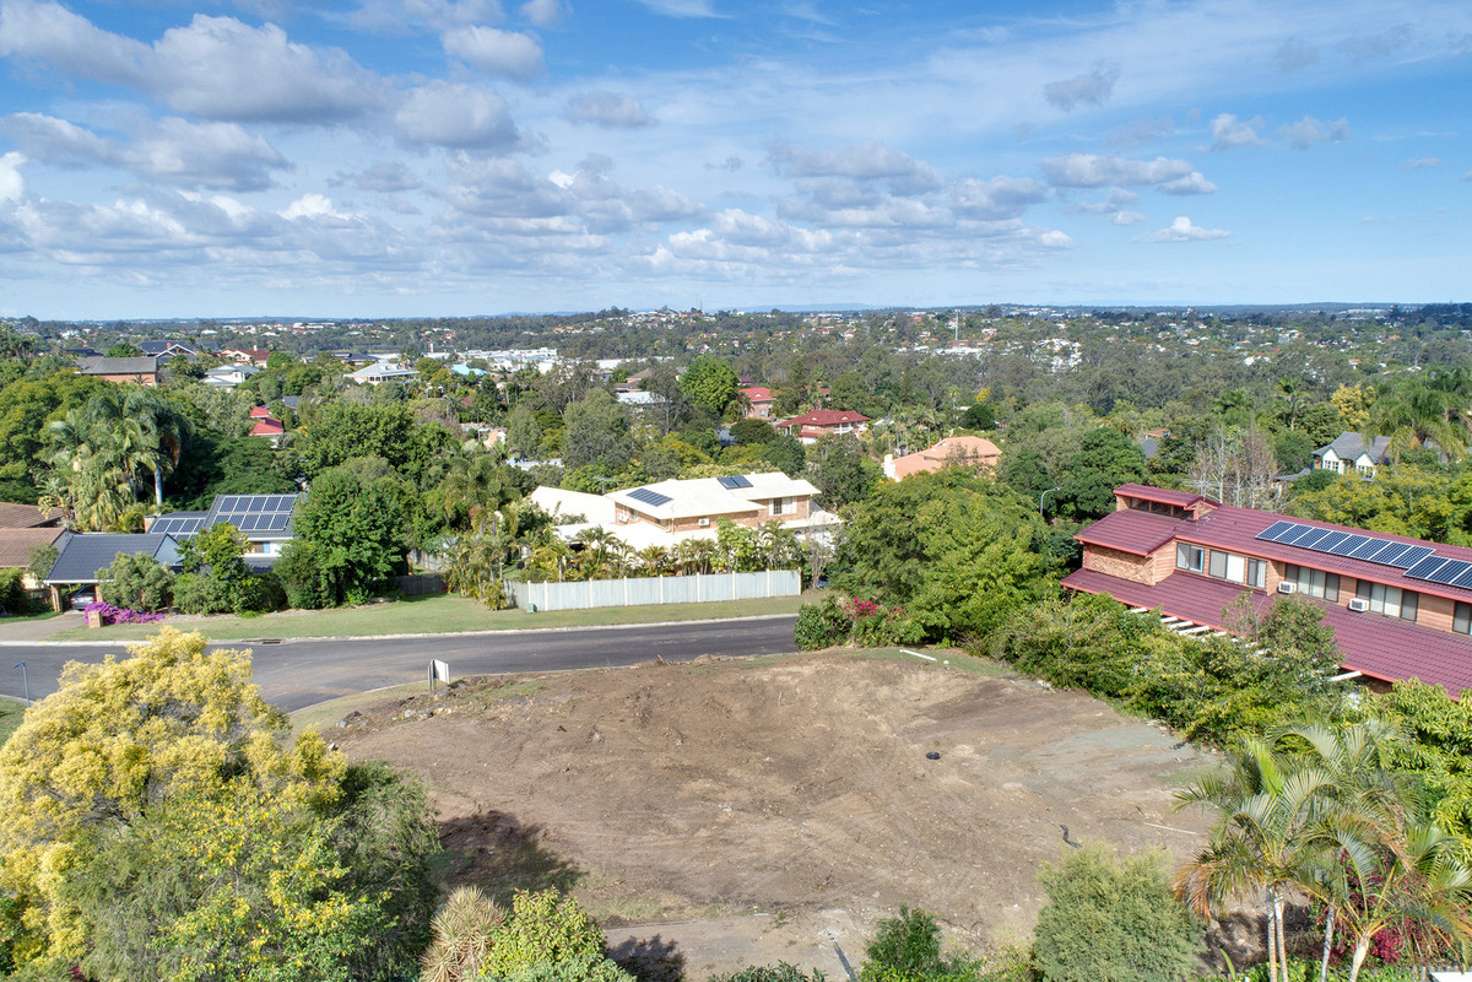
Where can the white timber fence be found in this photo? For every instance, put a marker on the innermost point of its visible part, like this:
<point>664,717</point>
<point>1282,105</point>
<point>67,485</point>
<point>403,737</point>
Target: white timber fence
<point>639,590</point>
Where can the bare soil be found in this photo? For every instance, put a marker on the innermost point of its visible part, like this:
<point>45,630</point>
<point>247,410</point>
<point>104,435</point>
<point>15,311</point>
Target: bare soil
<point>725,812</point>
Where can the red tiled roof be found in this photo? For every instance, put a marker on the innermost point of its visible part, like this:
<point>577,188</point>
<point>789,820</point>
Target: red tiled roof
<point>826,417</point>
<point>260,412</point>
<point>1136,532</point>
<point>757,393</point>
<point>1236,529</point>
<point>266,426</point>
<point>1382,648</point>
<point>1164,496</point>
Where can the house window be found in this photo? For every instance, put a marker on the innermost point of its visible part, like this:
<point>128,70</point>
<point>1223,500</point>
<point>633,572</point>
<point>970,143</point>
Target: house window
<point>1314,582</point>
<point>1257,573</point>
<point>1190,557</point>
<point>1391,601</point>
<point>779,505</point>
<point>1462,619</point>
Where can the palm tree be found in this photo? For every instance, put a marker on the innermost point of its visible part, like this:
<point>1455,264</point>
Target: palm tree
<point>460,937</point>
<point>1265,804</point>
<point>1418,412</point>
<point>654,560</point>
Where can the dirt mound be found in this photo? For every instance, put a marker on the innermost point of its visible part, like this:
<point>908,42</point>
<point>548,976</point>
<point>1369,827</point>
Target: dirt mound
<point>797,787</point>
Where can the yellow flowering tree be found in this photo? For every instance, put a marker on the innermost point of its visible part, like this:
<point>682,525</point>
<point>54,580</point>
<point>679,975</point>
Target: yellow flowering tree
<point>161,797</point>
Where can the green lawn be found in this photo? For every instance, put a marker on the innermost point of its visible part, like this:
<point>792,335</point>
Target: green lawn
<point>427,615</point>
<point>11,711</point>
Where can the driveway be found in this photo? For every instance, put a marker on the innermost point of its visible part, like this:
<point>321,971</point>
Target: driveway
<point>39,630</point>
<point>299,673</point>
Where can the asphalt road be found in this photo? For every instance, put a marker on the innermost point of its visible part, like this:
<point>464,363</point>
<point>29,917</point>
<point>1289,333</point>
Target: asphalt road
<point>299,673</point>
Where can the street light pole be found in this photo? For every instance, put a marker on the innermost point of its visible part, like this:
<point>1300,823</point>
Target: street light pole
<point>25,681</point>
<point>1040,500</point>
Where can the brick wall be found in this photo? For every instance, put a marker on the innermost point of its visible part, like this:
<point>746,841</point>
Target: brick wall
<point>1112,562</point>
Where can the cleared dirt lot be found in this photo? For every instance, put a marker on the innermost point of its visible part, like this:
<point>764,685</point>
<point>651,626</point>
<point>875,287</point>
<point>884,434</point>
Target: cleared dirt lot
<point>755,809</point>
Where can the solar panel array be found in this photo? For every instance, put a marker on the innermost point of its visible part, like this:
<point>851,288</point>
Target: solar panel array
<point>650,497</point>
<point>253,512</point>
<point>179,526</point>
<point>732,483</point>
<point>1417,562</point>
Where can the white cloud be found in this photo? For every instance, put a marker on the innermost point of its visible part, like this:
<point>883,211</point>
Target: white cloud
<point>683,8</point>
<point>1227,131</point>
<point>1000,197</point>
<point>496,52</point>
<point>1423,163</point>
<point>610,110</point>
<point>1192,183</point>
<point>384,177</point>
<point>1055,239</point>
<point>447,114</point>
<point>1183,230</point>
<point>312,206</point>
<point>397,16</point>
<point>546,13</point>
<point>1124,217</point>
<point>12,184</point>
<point>859,162</point>
<point>1309,131</point>
<point>216,67</point>
<point>1091,170</point>
<point>1090,89</point>
<point>172,150</point>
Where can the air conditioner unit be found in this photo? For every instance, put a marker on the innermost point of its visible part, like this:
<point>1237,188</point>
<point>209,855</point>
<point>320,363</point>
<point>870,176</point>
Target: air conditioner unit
<point>704,523</point>
<point>1287,587</point>
<point>1359,605</point>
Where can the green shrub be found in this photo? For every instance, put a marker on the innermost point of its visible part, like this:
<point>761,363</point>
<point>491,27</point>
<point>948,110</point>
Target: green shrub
<point>547,932</point>
<point>307,586</point>
<point>822,625</point>
<point>907,948</point>
<point>13,596</point>
<point>781,972</point>
<point>195,593</point>
<point>137,582</point>
<point>1112,920</point>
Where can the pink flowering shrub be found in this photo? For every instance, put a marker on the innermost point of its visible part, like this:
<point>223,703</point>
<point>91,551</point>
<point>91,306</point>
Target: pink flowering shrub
<point>111,614</point>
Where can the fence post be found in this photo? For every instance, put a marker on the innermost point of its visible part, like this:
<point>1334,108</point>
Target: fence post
<point>661,588</point>
<point>769,582</point>
<point>697,587</point>
<point>626,591</point>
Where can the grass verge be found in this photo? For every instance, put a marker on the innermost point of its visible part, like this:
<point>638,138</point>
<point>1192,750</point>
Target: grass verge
<point>427,615</point>
<point>11,711</point>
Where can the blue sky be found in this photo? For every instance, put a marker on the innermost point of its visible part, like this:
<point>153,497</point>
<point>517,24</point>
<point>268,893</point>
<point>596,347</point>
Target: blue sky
<point>385,157</point>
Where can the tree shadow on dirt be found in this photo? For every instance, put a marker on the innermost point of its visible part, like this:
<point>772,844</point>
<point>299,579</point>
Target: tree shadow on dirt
<point>494,851</point>
<point>650,959</point>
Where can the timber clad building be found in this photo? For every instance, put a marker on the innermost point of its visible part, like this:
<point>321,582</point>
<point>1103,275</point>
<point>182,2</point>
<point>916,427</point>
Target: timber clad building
<point>1400,608</point>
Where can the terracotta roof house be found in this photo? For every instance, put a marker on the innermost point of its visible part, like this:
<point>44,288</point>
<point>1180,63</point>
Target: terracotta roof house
<point>246,356</point>
<point>953,451</point>
<point>1400,608</point>
<point>812,426</point>
<point>759,401</point>
<point>668,512</point>
<point>142,370</point>
<point>266,425</point>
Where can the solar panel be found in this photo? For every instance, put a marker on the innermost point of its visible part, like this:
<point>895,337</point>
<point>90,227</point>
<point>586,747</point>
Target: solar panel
<point>1464,581</point>
<point>1295,533</point>
<point>1312,538</point>
<point>1411,557</point>
<point>1274,530</point>
<point>1349,544</point>
<point>650,497</point>
<point>1450,571</point>
<point>1424,569</point>
<point>1390,553</point>
<point>732,483</point>
<point>1368,548</point>
<point>1329,541</point>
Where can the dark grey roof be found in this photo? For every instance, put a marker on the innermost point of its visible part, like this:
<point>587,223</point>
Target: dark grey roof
<point>84,554</point>
<point>1349,446</point>
<point>143,365</point>
<point>161,346</point>
<point>291,402</point>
